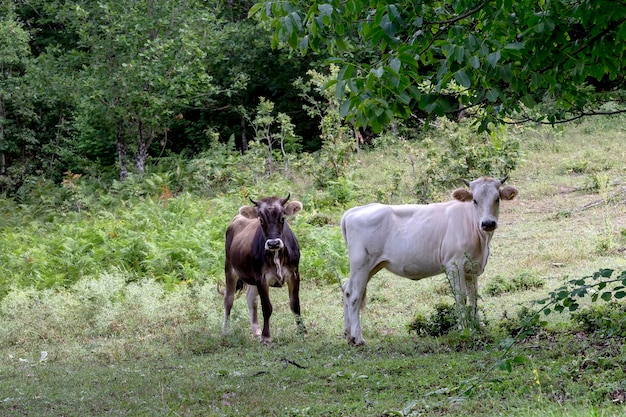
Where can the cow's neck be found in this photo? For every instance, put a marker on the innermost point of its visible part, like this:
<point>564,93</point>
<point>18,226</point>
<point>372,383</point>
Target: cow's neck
<point>484,238</point>
<point>276,257</point>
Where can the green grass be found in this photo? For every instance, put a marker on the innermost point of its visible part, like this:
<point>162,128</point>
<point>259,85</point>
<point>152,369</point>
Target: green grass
<point>122,342</point>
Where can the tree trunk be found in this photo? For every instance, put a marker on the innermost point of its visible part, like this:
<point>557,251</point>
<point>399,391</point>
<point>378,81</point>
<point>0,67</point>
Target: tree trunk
<point>244,138</point>
<point>143,146</point>
<point>122,152</point>
<point>142,155</point>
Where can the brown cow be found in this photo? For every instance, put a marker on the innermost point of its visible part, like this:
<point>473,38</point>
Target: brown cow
<point>262,251</point>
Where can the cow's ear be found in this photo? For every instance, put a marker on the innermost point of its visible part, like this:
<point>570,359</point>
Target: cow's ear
<point>462,194</point>
<point>249,212</point>
<point>293,208</point>
<point>508,192</point>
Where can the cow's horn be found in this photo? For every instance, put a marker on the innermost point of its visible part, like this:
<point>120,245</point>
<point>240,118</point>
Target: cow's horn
<point>284,200</point>
<point>466,182</point>
<point>254,202</point>
<point>506,177</point>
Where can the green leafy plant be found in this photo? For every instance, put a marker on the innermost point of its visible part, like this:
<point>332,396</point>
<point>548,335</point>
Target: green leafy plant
<point>332,161</point>
<point>607,319</point>
<point>440,322</point>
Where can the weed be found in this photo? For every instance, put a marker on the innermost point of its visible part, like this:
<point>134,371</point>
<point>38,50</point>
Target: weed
<point>526,322</point>
<point>440,322</point>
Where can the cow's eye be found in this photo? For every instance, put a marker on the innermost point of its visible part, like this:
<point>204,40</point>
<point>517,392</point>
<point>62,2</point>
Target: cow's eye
<point>475,202</point>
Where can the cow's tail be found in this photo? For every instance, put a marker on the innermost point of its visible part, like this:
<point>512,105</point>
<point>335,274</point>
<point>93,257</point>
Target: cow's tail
<point>239,288</point>
<point>344,230</point>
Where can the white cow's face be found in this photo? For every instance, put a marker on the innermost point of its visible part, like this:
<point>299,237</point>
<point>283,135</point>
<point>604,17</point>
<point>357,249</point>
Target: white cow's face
<point>485,194</point>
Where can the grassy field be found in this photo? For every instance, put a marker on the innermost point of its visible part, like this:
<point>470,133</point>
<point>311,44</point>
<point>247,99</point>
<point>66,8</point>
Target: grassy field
<point>105,347</point>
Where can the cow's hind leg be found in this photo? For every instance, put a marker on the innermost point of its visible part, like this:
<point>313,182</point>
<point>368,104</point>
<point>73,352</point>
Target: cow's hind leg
<point>229,298</point>
<point>294,301</point>
<point>252,296</point>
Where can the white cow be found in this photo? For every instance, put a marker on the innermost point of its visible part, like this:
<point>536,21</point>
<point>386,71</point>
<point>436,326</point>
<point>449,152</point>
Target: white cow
<point>418,241</point>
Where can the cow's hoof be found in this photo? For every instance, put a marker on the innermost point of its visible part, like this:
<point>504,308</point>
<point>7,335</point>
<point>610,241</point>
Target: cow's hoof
<point>352,341</point>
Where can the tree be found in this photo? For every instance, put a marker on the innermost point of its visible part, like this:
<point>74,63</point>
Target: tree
<point>142,63</point>
<point>547,60</point>
<point>14,55</point>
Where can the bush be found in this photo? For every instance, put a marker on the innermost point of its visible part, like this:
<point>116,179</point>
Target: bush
<point>526,321</point>
<point>444,319</point>
<point>607,320</point>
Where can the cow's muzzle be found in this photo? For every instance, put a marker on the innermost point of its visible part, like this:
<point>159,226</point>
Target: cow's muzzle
<point>274,244</point>
<point>488,225</point>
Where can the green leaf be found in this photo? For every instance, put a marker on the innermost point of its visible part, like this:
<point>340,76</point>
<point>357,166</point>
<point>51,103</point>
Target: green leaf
<point>474,61</point>
<point>459,54</point>
<point>394,64</point>
<point>607,295</point>
<point>304,43</point>
<point>516,46</point>
<point>606,273</point>
<point>255,9</point>
<point>388,26</point>
<point>521,359</point>
<point>344,108</point>
<point>378,72</point>
<point>463,79</point>
<point>325,9</point>
<point>493,94</point>
<point>493,58</point>
<point>505,365</point>
<point>563,294</point>
<point>620,294</point>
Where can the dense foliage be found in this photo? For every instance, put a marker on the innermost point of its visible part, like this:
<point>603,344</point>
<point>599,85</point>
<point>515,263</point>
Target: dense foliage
<point>110,89</point>
<point>550,60</point>
<point>106,88</point>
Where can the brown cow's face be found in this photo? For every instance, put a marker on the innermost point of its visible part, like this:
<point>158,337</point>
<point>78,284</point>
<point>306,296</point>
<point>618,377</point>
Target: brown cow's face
<point>485,194</point>
<point>272,212</point>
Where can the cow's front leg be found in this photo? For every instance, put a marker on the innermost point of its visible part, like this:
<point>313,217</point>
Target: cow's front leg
<point>294,301</point>
<point>471,281</point>
<point>353,298</point>
<point>266,307</point>
<point>252,296</point>
<point>456,277</point>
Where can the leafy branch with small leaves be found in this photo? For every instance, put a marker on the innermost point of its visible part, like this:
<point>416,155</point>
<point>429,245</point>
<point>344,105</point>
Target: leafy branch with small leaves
<point>605,284</point>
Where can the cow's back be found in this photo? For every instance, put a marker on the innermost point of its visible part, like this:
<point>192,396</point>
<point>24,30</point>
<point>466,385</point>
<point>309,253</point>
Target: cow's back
<point>240,236</point>
<point>411,240</point>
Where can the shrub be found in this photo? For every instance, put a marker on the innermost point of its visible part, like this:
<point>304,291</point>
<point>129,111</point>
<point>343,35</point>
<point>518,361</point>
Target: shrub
<point>444,319</point>
<point>606,320</point>
<point>526,322</point>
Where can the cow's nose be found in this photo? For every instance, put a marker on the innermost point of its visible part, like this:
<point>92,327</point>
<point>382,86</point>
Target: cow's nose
<point>489,225</point>
<point>273,244</point>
